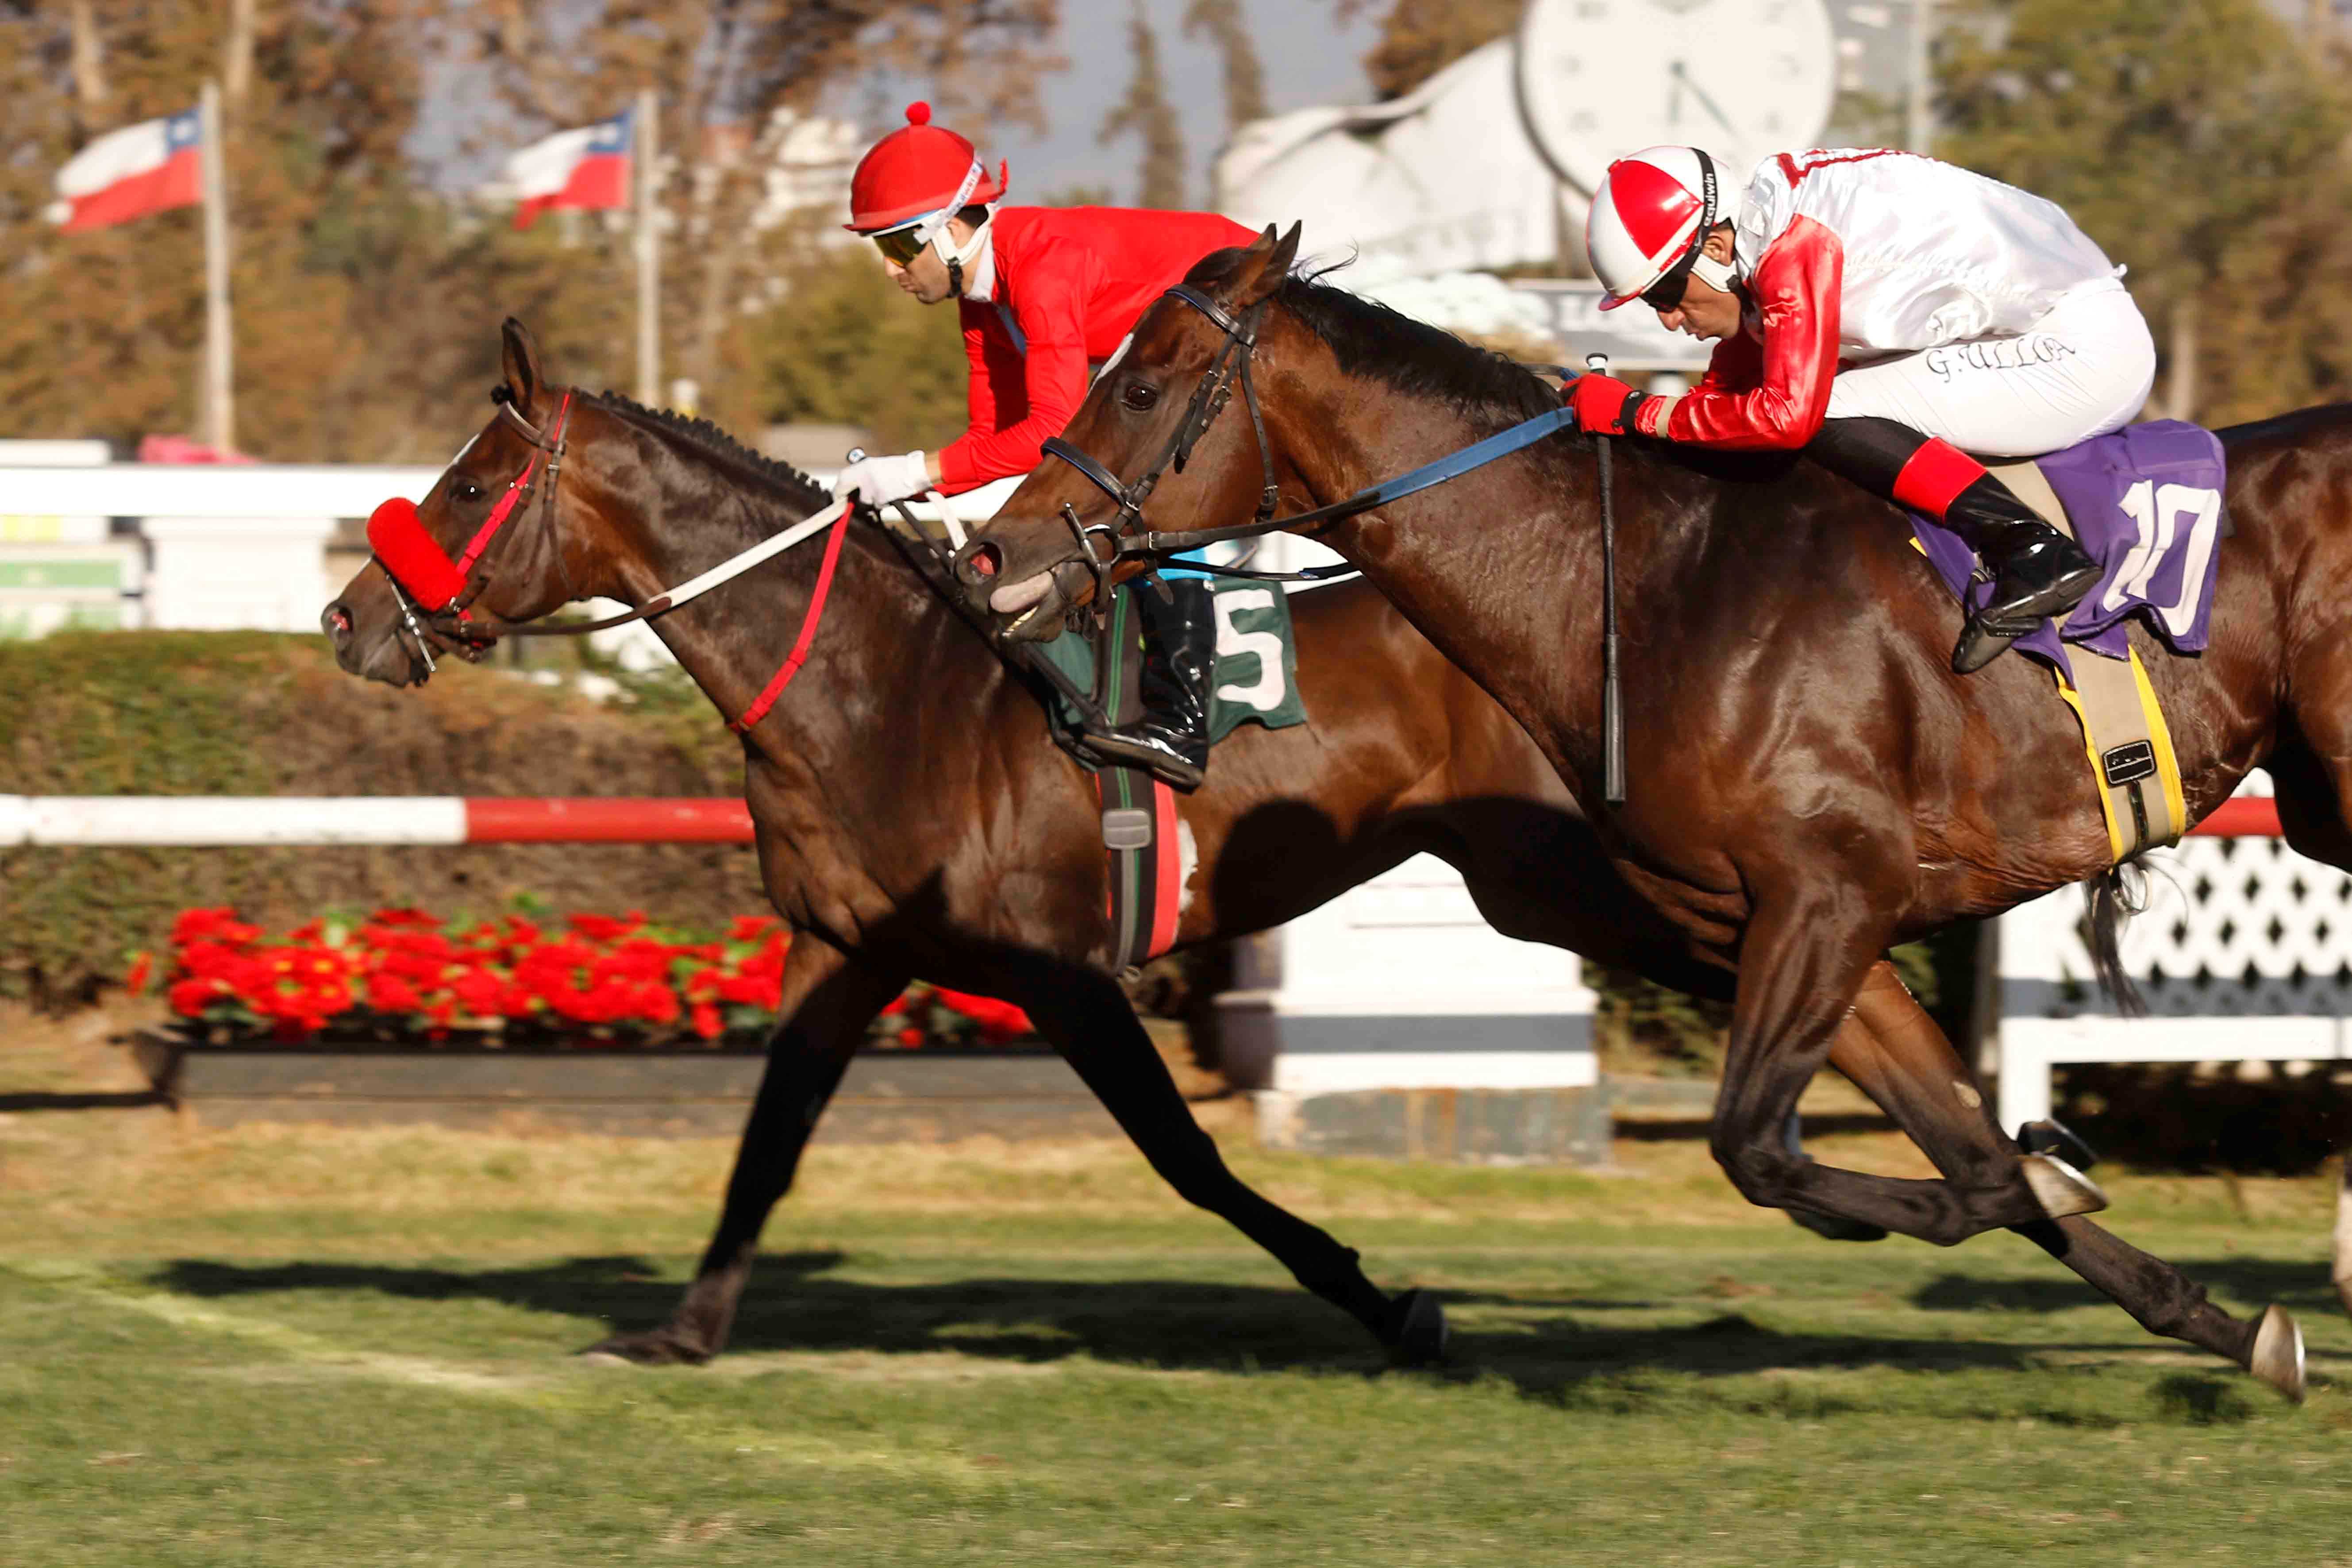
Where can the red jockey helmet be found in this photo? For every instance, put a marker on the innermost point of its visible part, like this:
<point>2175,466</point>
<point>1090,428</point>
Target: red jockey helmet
<point>1650,216</point>
<point>918,170</point>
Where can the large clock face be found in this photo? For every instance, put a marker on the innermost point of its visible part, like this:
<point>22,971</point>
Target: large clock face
<point>1743,79</point>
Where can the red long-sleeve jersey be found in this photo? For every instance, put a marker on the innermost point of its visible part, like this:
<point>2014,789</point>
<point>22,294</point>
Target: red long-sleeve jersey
<point>1772,395</point>
<point>1074,280</point>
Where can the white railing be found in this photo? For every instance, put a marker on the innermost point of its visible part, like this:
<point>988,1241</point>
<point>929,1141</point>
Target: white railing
<point>2244,952</point>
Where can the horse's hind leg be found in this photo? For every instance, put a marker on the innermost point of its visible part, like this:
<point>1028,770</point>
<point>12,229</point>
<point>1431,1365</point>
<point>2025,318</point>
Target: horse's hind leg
<point>2344,1233</point>
<point>826,1002</point>
<point>1894,1051</point>
<point>1803,960</point>
<point>1091,1023</point>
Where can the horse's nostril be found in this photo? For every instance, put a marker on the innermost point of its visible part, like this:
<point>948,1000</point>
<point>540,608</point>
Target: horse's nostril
<point>985,562</point>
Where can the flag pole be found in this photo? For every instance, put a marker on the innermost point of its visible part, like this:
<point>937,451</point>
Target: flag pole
<point>641,176</point>
<point>219,411</point>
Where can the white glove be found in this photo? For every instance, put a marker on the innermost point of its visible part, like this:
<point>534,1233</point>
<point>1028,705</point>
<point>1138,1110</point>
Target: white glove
<point>885,478</point>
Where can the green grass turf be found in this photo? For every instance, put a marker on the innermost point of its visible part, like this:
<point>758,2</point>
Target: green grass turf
<point>1023,1390</point>
<point>306,1346</point>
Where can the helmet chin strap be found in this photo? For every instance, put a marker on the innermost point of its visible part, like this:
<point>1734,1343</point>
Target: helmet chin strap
<point>1716,275</point>
<point>935,233</point>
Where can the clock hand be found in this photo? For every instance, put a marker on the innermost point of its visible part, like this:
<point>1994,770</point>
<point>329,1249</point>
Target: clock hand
<point>1684,77</point>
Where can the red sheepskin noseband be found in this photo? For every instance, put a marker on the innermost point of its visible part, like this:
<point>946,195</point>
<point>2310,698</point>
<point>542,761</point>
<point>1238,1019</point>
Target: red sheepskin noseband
<point>398,538</point>
<point>408,553</point>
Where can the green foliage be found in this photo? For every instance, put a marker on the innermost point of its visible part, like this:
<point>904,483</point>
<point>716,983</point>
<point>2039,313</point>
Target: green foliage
<point>253,713</point>
<point>2168,129</point>
<point>842,344</point>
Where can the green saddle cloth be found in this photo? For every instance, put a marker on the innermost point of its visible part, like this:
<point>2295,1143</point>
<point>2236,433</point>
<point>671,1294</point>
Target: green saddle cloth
<point>1255,678</point>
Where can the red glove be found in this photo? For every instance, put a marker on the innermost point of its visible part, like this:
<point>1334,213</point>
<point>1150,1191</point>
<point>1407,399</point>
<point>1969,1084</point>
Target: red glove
<point>1604,405</point>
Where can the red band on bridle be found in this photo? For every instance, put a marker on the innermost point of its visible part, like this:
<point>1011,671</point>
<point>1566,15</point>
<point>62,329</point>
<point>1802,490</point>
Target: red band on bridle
<point>416,561</point>
<point>793,660</point>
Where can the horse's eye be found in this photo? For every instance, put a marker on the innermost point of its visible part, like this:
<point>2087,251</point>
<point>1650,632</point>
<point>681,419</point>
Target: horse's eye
<point>1140,395</point>
<point>464,490</point>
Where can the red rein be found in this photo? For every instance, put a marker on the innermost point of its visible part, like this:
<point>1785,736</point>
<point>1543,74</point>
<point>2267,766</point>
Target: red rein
<point>793,660</point>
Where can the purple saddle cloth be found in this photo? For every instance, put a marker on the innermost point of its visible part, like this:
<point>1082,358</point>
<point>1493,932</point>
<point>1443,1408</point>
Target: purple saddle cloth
<point>2145,501</point>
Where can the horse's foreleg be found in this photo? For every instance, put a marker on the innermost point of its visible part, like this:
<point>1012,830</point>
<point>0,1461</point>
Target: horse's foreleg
<point>1800,968</point>
<point>827,1001</point>
<point>1090,1021</point>
<point>1896,1053</point>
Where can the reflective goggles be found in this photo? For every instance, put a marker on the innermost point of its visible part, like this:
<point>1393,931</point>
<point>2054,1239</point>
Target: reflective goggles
<point>901,244</point>
<point>1667,293</point>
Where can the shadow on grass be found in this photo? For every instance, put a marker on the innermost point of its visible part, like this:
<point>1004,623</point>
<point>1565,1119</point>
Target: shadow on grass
<point>795,1303</point>
<point>2302,1287</point>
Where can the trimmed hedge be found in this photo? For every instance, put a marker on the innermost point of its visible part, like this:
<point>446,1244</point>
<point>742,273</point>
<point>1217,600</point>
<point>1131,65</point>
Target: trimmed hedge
<point>256,714</point>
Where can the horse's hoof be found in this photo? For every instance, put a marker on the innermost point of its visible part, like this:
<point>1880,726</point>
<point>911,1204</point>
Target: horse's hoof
<point>1835,1228</point>
<point>2052,1136</point>
<point>2278,1353</point>
<point>2060,1189</point>
<point>644,1349</point>
<point>1416,1328</point>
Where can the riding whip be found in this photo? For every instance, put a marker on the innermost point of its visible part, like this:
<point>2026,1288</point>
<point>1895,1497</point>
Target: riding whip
<point>1613,700</point>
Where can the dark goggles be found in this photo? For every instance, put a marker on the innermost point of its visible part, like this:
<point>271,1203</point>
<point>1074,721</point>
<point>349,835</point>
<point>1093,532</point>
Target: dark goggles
<point>900,245</point>
<point>1667,293</point>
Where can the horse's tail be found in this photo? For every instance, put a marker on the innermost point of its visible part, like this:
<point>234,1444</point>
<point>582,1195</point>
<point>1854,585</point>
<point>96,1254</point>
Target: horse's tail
<point>2109,898</point>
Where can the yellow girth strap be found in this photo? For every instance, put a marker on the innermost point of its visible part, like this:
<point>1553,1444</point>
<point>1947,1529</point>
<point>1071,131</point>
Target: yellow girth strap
<point>2125,736</point>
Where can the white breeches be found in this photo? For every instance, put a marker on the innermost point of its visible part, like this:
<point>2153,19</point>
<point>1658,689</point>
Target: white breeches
<point>2083,370</point>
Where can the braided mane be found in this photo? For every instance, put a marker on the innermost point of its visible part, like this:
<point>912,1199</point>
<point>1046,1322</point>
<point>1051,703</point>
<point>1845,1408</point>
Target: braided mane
<point>716,443</point>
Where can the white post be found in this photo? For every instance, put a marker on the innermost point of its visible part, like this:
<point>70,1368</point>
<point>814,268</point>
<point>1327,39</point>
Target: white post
<point>219,412</point>
<point>1919,127</point>
<point>642,174</point>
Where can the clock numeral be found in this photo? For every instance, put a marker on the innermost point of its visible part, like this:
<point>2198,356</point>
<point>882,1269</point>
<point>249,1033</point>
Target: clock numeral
<point>1771,121</point>
<point>1790,65</point>
<point>1584,120</point>
<point>1775,12</point>
<point>1591,10</point>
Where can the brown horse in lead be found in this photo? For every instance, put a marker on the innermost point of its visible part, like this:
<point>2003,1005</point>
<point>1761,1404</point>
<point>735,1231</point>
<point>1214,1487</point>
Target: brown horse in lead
<point>913,818</point>
<point>1809,782</point>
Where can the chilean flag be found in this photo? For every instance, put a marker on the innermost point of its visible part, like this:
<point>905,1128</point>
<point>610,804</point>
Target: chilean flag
<point>585,168</point>
<point>139,169</point>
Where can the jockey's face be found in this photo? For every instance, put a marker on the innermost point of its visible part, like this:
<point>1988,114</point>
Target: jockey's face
<point>926,277</point>
<point>1706,312</point>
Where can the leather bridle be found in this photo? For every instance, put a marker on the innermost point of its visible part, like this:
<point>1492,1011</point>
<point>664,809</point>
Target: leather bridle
<point>1129,538</point>
<point>1231,365</point>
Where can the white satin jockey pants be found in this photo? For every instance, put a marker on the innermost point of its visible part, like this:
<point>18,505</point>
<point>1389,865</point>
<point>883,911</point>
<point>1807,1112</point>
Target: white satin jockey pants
<point>2083,369</point>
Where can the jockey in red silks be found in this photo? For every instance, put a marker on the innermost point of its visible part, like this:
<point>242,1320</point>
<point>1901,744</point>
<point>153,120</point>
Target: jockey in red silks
<point>1046,294</point>
<point>1890,314</point>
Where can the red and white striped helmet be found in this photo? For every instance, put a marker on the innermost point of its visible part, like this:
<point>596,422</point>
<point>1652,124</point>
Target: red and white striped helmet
<point>1651,215</point>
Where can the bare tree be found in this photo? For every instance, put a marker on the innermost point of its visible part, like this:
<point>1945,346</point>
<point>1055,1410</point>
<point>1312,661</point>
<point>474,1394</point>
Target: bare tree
<point>1228,28</point>
<point>1146,112</point>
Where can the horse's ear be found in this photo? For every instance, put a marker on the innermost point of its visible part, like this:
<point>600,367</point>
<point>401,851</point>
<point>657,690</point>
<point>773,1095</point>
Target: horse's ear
<point>523,378</point>
<point>1264,265</point>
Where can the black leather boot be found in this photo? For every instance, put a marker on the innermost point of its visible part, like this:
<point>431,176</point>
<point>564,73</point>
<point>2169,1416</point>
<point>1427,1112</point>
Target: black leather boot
<point>2037,571</point>
<point>1179,650</point>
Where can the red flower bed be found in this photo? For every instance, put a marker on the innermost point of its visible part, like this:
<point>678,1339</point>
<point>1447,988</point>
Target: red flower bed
<point>403,975</point>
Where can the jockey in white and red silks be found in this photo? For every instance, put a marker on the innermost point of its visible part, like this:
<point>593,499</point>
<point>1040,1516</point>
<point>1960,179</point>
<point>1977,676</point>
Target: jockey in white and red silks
<point>1890,314</point>
<point>1046,294</point>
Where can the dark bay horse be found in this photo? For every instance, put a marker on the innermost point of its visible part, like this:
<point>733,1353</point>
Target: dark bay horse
<point>1809,782</point>
<point>913,818</point>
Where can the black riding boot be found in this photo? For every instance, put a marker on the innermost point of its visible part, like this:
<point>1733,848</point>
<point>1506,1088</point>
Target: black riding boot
<point>2037,570</point>
<point>1180,648</point>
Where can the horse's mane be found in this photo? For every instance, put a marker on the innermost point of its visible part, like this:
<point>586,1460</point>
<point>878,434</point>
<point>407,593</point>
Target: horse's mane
<point>1370,339</point>
<point>715,443</point>
<point>2291,424</point>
